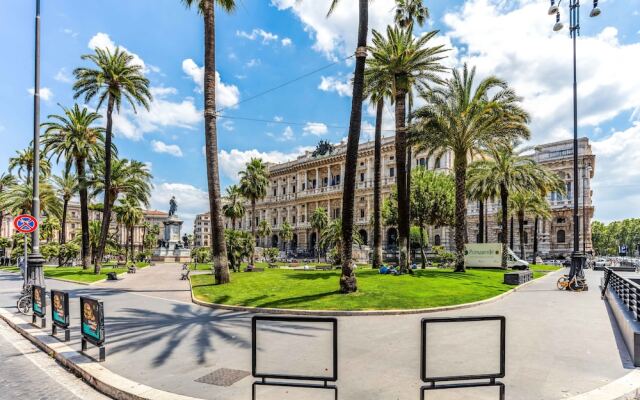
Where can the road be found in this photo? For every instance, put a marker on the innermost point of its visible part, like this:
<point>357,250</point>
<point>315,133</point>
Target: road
<point>28,373</point>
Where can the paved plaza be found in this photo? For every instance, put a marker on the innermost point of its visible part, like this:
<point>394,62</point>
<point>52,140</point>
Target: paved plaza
<point>559,344</point>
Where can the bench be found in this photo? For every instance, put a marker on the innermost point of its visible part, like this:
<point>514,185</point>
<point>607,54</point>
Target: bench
<point>518,277</point>
<point>272,265</point>
<point>112,276</point>
<point>323,268</point>
<point>254,269</point>
<point>132,269</point>
<point>185,275</point>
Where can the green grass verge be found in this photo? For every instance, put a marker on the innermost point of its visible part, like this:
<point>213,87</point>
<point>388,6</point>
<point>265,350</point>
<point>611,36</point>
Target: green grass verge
<point>318,290</point>
<point>77,274</point>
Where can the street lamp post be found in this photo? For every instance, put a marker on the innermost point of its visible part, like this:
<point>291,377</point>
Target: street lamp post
<point>578,258</point>
<point>35,262</point>
<point>587,171</point>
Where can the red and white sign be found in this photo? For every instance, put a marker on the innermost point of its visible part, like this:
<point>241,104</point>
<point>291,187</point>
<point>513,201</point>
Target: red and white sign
<point>25,223</point>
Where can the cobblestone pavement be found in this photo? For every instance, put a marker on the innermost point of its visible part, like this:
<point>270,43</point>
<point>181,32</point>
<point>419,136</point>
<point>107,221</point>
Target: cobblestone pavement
<point>28,373</point>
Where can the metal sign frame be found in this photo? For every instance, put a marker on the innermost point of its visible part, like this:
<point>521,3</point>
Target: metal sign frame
<point>434,380</point>
<point>24,217</point>
<point>64,296</point>
<point>325,379</point>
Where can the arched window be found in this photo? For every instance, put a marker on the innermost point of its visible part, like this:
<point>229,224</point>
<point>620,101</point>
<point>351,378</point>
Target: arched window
<point>437,164</point>
<point>560,236</point>
<point>526,237</point>
<point>437,241</point>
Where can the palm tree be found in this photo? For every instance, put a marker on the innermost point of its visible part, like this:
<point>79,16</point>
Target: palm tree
<point>264,229</point>
<point>286,233</point>
<point>234,209</point>
<point>115,78</point>
<point>129,213</point>
<point>49,225</point>
<point>409,12</point>
<point>254,181</point>
<point>331,237</point>
<point>18,198</point>
<point>407,62</point>
<point>23,162</point>
<point>218,246</point>
<point>6,180</point>
<point>319,221</point>
<point>67,187</point>
<point>528,202</point>
<point>73,137</point>
<point>480,194</point>
<point>464,118</point>
<point>507,172</point>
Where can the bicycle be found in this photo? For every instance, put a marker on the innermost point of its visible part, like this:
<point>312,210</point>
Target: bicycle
<point>575,284</point>
<point>24,302</point>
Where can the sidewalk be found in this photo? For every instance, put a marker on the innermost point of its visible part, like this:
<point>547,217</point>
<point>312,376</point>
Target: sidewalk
<point>559,344</point>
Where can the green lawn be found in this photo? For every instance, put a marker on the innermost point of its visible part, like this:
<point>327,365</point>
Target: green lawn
<point>279,288</point>
<point>258,264</point>
<point>77,274</point>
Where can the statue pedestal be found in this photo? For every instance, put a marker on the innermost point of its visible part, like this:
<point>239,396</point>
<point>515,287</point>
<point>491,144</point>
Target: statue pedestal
<point>172,249</point>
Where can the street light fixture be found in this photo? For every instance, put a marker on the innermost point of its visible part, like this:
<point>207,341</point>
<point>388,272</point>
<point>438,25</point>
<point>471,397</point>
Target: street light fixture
<point>578,258</point>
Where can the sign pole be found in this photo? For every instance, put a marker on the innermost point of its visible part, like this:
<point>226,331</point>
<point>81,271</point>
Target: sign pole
<point>24,262</point>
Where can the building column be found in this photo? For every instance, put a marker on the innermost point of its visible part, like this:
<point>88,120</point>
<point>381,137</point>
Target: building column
<point>342,174</point>
<point>317,178</point>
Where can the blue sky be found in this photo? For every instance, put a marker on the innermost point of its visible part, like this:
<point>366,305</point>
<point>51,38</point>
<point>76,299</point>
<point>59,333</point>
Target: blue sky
<point>267,42</point>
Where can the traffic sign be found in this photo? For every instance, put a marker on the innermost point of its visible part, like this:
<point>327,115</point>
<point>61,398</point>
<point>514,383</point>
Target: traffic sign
<point>25,223</point>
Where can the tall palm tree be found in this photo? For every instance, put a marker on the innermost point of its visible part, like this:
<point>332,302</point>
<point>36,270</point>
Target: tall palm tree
<point>254,181</point>
<point>406,61</point>
<point>377,89</point>
<point>129,213</point>
<point>18,198</point>
<point>73,137</point>
<point>67,187</point>
<point>234,209</point>
<point>528,202</point>
<point>464,118</point>
<point>23,162</point>
<point>331,237</point>
<point>348,282</point>
<point>264,229</point>
<point>206,8</point>
<point>6,180</point>
<point>319,221</point>
<point>114,79</point>
<point>505,173</point>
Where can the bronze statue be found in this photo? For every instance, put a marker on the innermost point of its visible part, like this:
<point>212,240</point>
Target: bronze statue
<point>173,206</point>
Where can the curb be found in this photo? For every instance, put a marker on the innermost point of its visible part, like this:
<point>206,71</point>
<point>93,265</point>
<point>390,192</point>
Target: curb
<point>625,388</point>
<point>94,374</point>
<point>344,313</point>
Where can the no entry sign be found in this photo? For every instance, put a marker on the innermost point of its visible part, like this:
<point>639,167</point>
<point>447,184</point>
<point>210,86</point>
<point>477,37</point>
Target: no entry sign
<point>25,223</point>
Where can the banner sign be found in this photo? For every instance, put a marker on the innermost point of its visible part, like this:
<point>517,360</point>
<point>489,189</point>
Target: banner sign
<point>92,320</point>
<point>38,301</point>
<point>60,308</point>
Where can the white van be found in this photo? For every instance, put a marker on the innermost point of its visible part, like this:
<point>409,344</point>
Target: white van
<point>489,255</point>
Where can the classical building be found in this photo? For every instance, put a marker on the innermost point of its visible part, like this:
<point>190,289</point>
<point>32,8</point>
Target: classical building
<point>299,187</point>
<point>152,217</point>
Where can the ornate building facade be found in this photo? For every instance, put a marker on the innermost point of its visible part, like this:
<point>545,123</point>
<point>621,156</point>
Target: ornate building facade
<point>298,187</point>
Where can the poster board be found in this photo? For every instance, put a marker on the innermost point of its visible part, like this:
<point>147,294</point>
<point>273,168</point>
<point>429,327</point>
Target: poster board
<point>92,320</point>
<point>60,308</point>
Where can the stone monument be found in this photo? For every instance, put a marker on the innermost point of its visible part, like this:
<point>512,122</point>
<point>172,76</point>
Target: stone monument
<point>171,248</point>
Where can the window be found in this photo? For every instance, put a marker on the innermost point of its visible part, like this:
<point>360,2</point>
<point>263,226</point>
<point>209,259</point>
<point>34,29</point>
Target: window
<point>275,192</point>
<point>391,158</point>
<point>275,221</point>
<point>437,241</point>
<point>294,219</point>
<point>362,213</point>
<point>526,237</point>
<point>437,164</point>
<point>561,220</point>
<point>422,162</point>
<point>303,186</point>
<point>293,188</point>
<point>392,172</point>
<point>361,176</point>
<point>560,236</point>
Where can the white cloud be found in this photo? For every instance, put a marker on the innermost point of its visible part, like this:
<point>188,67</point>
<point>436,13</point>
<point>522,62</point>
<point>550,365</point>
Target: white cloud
<point>315,128</point>
<point>63,76</point>
<point>258,33</point>
<point>227,96</point>
<point>335,84</point>
<point>286,42</point>
<point>161,147</point>
<point>494,37</point>
<point>287,134</point>
<point>70,32</point>
<point>45,93</point>
<point>254,62</point>
<point>103,41</point>
<point>228,125</point>
<point>162,113</point>
<point>234,161</point>
<point>617,174</point>
<point>191,200</point>
<point>278,118</point>
<point>336,36</point>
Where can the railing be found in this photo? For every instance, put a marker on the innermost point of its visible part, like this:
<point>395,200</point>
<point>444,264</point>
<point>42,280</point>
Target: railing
<point>627,290</point>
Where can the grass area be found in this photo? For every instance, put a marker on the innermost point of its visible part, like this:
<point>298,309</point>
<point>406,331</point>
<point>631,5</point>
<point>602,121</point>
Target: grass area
<point>77,274</point>
<point>318,290</point>
<point>258,264</point>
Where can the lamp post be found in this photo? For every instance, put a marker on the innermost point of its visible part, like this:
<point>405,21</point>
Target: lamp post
<point>35,262</point>
<point>587,171</point>
<point>578,258</point>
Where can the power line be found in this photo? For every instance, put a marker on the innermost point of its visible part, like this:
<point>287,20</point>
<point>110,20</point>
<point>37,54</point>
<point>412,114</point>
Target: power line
<point>286,83</point>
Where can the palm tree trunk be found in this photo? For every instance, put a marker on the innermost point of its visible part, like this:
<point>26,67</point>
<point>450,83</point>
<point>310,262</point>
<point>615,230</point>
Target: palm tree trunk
<point>84,211</point>
<point>504,198</point>
<point>106,210</point>
<point>521,233</point>
<point>535,239</point>
<point>253,230</point>
<point>422,253</point>
<point>481,222</point>
<point>401,181</point>
<point>511,244</point>
<point>131,243</point>
<point>377,189</point>
<point>218,245</point>
<point>348,282</point>
<point>460,171</point>
<point>408,193</point>
<point>63,228</point>
<point>318,243</point>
